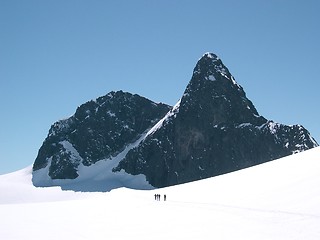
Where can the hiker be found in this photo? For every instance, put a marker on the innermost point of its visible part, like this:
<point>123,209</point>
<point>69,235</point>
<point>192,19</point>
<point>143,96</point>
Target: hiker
<point>164,197</point>
<point>157,197</point>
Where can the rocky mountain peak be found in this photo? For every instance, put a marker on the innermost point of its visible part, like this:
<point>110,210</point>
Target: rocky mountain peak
<point>212,130</point>
<point>210,67</point>
<point>98,130</point>
<point>214,94</point>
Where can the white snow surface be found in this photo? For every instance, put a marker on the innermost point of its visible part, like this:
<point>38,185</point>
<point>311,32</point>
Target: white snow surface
<point>275,200</point>
<point>211,78</point>
<point>211,55</point>
<point>96,177</point>
<point>74,155</point>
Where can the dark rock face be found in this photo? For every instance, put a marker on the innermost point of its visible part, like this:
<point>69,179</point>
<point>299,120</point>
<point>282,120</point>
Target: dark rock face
<point>215,129</point>
<point>99,129</point>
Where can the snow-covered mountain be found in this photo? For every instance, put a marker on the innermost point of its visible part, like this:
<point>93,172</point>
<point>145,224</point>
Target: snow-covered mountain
<point>275,200</point>
<point>213,129</point>
<point>101,129</point>
<point>126,140</point>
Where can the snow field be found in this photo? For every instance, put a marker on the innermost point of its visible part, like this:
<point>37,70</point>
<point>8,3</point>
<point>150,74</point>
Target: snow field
<point>275,200</point>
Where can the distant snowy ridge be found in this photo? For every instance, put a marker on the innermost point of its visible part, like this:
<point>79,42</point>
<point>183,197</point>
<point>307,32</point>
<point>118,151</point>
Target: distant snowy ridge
<point>275,129</point>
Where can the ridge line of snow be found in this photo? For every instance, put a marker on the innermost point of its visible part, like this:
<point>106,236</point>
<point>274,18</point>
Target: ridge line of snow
<point>159,124</point>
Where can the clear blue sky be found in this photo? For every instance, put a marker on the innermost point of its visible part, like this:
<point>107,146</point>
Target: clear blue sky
<point>56,55</point>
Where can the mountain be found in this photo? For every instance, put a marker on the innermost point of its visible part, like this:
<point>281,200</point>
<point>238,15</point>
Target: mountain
<point>99,129</point>
<point>214,129</point>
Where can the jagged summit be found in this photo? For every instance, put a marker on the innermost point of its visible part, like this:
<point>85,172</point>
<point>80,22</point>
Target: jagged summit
<point>214,94</point>
<point>210,56</point>
<point>210,67</point>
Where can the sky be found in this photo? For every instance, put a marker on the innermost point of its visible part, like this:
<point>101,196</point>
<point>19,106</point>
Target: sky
<point>57,55</point>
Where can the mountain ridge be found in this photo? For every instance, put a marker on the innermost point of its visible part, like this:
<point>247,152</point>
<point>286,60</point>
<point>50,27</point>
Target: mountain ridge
<point>213,129</point>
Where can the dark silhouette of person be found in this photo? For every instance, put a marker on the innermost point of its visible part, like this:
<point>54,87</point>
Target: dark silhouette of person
<point>165,197</point>
<point>155,197</point>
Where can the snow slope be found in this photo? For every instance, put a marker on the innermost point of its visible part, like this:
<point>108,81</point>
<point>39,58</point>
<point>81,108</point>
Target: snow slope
<point>97,177</point>
<point>275,200</point>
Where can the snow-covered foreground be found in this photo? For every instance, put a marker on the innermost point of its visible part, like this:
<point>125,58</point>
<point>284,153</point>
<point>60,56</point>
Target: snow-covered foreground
<point>276,200</point>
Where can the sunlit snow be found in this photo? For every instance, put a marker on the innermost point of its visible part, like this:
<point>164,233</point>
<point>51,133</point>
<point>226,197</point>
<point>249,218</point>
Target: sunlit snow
<point>275,200</point>
<point>96,177</point>
<point>211,78</point>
